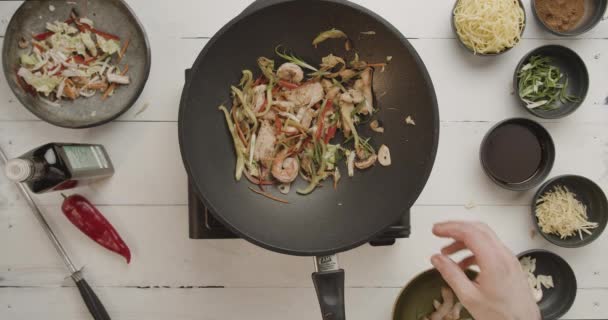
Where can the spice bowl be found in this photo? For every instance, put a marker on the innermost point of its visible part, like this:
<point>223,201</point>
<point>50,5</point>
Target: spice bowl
<point>593,14</point>
<point>590,195</point>
<point>416,300</point>
<point>453,24</point>
<point>571,66</point>
<point>517,154</point>
<point>558,300</point>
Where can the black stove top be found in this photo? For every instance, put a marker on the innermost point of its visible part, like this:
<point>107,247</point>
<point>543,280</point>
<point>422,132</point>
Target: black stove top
<point>203,225</point>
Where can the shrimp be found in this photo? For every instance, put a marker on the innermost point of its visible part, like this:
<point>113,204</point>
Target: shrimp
<point>285,169</point>
<point>290,72</point>
<point>306,95</point>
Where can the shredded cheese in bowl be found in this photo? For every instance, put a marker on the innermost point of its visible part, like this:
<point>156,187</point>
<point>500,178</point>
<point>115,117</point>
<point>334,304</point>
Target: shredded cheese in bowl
<point>489,26</point>
<point>560,213</point>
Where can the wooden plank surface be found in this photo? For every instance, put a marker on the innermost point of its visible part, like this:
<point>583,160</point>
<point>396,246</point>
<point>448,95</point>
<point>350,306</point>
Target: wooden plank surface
<point>146,199</point>
<point>215,304</point>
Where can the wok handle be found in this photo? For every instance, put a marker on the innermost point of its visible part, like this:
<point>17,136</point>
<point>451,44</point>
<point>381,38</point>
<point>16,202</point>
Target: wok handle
<point>330,291</point>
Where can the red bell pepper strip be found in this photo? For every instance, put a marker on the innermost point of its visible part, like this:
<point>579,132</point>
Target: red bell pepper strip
<point>320,122</point>
<point>260,80</point>
<point>331,133</point>
<point>288,85</point>
<point>78,59</point>
<point>92,223</point>
<point>278,124</point>
<point>43,36</point>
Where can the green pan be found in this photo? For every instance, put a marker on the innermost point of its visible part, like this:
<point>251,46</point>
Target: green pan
<point>416,300</point>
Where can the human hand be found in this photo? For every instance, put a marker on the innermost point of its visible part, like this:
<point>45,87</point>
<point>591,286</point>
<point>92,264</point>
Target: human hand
<point>500,291</point>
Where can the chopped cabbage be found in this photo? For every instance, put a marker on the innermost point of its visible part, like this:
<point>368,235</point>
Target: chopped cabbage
<point>42,83</point>
<point>61,27</point>
<point>28,59</point>
<point>67,44</point>
<point>88,42</point>
<point>108,46</point>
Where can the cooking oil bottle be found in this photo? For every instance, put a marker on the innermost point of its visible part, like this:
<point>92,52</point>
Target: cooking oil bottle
<point>60,166</point>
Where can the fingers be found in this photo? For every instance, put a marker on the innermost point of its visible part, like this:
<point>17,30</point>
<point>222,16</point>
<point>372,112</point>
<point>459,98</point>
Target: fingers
<point>464,288</point>
<point>467,262</point>
<point>477,237</point>
<point>454,247</point>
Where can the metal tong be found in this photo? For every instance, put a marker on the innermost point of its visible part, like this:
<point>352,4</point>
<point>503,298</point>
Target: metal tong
<point>93,303</point>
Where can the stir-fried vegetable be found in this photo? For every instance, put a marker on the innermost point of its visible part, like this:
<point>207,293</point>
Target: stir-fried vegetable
<point>542,85</point>
<point>329,34</point>
<point>71,59</point>
<point>285,124</point>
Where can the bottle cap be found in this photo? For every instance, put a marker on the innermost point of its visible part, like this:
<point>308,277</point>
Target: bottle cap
<point>18,170</point>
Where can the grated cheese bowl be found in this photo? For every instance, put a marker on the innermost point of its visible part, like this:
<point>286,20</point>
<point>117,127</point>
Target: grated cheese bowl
<point>590,195</point>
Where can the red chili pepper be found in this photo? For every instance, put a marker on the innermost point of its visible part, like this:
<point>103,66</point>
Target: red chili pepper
<point>278,124</point>
<point>288,85</point>
<point>104,34</point>
<point>331,132</point>
<point>320,122</point>
<point>92,223</point>
<point>43,36</point>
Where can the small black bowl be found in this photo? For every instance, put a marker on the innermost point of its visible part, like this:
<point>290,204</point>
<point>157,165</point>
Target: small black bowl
<point>572,66</point>
<point>558,300</point>
<point>594,12</point>
<point>487,54</point>
<point>547,156</point>
<point>587,192</point>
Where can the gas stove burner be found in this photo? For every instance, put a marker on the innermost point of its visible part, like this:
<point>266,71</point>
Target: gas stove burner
<point>203,225</point>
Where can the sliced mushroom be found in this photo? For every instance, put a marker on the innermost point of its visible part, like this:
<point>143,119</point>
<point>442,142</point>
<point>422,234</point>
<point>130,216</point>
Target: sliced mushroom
<point>384,156</point>
<point>23,43</point>
<point>284,188</point>
<point>364,164</point>
<point>375,126</point>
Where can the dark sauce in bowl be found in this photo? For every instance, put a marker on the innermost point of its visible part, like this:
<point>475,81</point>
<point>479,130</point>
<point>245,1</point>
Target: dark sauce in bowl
<point>517,154</point>
<point>513,153</point>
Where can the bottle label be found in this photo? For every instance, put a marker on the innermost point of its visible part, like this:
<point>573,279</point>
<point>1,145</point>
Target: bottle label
<point>86,157</point>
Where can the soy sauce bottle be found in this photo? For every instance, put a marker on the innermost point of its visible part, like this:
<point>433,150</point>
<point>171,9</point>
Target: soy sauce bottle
<point>60,166</point>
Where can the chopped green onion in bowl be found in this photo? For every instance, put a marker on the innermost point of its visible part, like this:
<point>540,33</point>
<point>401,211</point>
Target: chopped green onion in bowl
<point>542,85</point>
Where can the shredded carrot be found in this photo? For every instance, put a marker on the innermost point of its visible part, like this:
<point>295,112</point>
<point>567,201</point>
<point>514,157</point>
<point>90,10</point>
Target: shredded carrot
<point>269,196</point>
<point>123,50</point>
<point>376,65</point>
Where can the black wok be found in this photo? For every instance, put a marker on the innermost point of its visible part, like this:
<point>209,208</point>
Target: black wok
<point>328,221</point>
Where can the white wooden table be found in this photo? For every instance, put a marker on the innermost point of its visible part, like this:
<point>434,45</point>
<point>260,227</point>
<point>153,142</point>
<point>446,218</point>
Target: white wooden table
<point>172,277</point>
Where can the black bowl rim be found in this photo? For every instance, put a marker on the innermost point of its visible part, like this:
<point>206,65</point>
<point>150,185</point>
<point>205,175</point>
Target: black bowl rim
<point>542,173</point>
<point>568,268</point>
<point>564,243</point>
<point>591,25</point>
<point>521,4</point>
<point>132,101</point>
<point>526,57</point>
